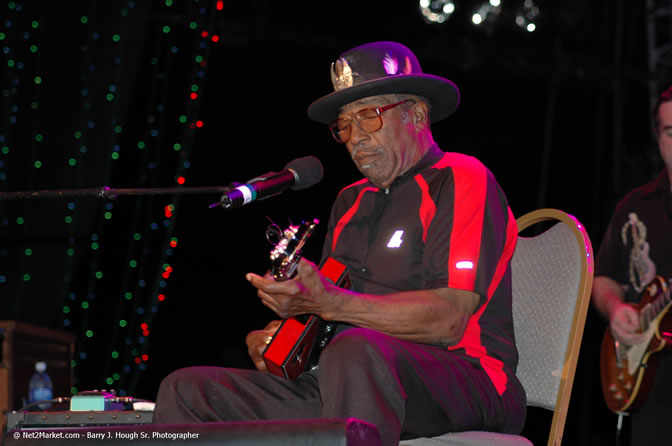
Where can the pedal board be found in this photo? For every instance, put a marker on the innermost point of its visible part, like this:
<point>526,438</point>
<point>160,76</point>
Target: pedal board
<point>31,420</point>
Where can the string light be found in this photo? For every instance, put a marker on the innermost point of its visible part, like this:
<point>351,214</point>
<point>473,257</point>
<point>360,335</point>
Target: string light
<point>436,11</point>
<point>99,94</point>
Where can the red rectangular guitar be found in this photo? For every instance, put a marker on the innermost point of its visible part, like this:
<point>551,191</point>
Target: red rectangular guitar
<point>627,372</point>
<point>296,345</point>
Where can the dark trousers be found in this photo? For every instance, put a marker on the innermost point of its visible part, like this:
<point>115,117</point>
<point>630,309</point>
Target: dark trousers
<point>404,388</point>
<point>651,423</point>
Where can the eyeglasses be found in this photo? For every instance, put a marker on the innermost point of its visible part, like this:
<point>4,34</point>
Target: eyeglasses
<point>369,120</point>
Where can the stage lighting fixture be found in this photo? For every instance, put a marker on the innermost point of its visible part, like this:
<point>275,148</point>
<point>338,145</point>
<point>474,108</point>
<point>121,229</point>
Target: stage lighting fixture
<point>436,11</point>
<point>527,15</point>
<point>486,12</point>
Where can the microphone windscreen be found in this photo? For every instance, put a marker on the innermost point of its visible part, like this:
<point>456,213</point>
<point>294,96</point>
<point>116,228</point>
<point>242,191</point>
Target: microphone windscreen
<point>307,171</point>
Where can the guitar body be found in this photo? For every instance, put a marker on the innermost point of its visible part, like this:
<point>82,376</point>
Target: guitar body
<point>293,349</point>
<point>296,345</point>
<point>627,372</point>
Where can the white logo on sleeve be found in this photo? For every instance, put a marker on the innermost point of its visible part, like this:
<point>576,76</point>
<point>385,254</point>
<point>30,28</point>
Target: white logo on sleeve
<point>395,240</point>
<point>464,264</point>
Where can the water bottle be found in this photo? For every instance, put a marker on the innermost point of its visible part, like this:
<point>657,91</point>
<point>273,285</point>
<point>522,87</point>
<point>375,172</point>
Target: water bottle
<point>40,387</point>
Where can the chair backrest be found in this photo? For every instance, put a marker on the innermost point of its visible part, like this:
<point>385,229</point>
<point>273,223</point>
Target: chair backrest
<point>552,275</point>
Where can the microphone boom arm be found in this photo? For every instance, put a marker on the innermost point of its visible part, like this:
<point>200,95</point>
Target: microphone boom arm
<point>108,193</point>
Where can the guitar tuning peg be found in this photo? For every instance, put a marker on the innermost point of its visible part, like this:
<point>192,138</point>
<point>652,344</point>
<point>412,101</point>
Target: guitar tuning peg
<point>274,233</point>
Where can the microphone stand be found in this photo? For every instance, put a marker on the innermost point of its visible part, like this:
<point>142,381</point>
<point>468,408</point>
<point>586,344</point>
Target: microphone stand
<point>109,193</point>
<point>113,194</point>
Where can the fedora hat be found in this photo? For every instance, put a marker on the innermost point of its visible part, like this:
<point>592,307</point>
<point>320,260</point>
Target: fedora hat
<point>383,68</point>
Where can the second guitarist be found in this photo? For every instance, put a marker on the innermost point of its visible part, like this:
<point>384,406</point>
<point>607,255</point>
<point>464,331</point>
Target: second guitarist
<point>636,248</point>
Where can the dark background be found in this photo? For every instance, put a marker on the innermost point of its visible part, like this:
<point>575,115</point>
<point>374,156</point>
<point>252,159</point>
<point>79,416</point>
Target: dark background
<point>560,115</point>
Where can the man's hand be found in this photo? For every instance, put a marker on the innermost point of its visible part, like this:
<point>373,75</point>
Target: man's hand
<point>258,340</point>
<point>306,293</point>
<point>624,323</point>
<point>608,298</point>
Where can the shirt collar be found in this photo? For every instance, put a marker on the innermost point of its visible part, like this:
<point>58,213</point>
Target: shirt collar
<point>660,185</point>
<point>432,156</point>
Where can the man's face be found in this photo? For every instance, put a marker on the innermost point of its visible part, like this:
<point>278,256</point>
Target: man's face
<point>384,155</point>
<point>665,134</point>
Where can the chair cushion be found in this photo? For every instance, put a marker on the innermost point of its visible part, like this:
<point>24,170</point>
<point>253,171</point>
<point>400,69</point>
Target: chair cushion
<point>473,438</point>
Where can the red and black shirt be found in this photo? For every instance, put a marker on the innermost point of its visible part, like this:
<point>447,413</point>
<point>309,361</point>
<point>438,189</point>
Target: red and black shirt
<point>444,223</point>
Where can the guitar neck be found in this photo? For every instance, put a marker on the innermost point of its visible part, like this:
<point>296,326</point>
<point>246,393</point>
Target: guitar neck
<point>651,310</point>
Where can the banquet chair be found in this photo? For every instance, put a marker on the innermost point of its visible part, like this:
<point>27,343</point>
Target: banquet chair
<point>552,275</point>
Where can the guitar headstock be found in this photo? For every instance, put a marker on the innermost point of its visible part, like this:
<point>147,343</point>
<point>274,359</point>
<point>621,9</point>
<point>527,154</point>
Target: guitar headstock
<point>286,254</point>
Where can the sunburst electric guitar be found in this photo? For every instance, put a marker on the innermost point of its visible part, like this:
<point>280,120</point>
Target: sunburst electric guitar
<point>296,345</point>
<point>627,372</point>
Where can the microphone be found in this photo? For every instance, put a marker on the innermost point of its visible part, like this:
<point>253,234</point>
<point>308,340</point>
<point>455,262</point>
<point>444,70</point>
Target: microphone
<point>298,174</point>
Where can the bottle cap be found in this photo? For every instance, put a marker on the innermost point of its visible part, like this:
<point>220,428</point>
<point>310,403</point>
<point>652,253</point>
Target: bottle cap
<point>40,366</point>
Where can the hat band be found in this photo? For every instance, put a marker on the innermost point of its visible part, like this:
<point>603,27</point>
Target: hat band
<point>342,75</point>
